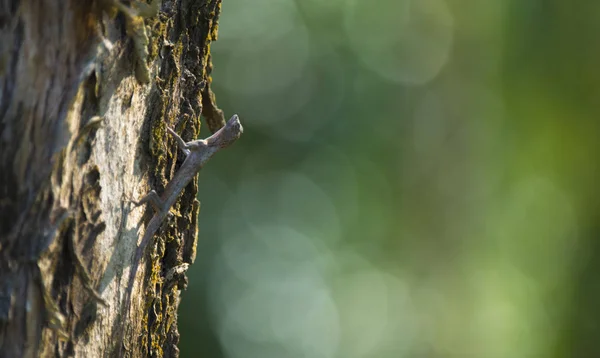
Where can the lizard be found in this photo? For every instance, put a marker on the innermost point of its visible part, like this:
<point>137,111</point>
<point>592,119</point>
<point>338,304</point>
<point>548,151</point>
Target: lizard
<point>197,153</point>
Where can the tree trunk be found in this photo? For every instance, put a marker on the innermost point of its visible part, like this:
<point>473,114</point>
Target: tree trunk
<point>87,89</point>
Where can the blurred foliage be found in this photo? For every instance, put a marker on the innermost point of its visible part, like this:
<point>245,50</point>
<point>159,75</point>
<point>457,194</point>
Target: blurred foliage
<point>417,178</point>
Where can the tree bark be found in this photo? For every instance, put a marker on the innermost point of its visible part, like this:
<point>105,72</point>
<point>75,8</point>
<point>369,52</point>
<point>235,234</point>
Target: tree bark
<point>87,89</point>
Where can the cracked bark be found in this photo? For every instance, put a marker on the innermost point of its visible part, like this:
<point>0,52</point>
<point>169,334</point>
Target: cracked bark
<point>83,127</point>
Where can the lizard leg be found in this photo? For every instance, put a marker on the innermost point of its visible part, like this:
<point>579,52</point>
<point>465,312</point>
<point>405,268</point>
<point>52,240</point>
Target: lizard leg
<point>151,198</point>
<point>180,142</point>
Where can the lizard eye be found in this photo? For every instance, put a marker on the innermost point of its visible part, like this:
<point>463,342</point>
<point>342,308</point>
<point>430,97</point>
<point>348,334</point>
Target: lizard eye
<point>232,131</point>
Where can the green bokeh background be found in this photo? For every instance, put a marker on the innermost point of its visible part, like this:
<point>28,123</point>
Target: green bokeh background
<point>417,178</point>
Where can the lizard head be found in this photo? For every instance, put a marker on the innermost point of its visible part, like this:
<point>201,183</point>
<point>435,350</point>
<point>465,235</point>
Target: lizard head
<point>225,136</point>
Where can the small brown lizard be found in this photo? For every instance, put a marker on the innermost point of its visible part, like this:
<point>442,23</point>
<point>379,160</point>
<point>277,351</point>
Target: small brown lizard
<point>197,152</point>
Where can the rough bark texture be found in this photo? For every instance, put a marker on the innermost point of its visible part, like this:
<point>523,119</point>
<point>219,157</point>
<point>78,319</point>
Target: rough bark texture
<point>86,91</point>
